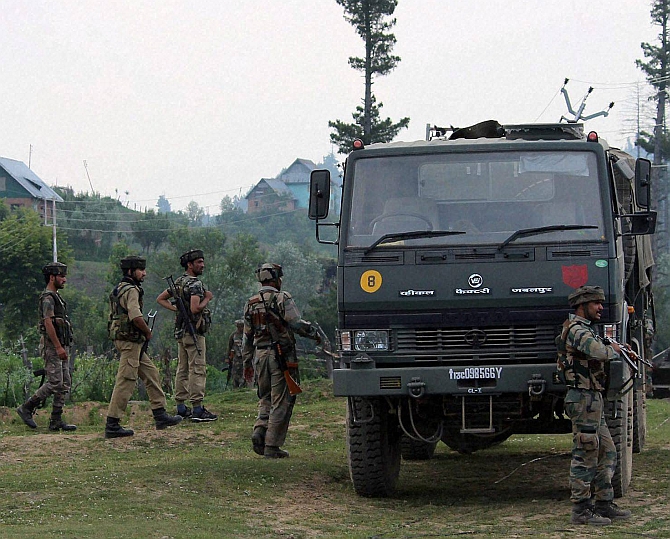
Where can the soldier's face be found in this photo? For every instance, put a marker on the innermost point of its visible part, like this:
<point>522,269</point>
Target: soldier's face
<point>139,274</point>
<point>593,310</point>
<point>198,266</point>
<point>59,281</point>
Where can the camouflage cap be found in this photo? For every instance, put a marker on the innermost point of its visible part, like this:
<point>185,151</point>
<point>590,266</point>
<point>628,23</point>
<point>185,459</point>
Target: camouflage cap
<point>584,294</point>
<point>133,262</point>
<point>190,256</point>
<point>54,268</point>
<point>269,272</point>
<point>239,322</point>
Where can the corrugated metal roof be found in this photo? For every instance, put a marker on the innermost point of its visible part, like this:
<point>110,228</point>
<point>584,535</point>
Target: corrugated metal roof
<point>28,179</point>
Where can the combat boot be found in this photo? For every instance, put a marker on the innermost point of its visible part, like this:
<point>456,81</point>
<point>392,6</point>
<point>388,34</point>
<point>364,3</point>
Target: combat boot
<point>56,422</point>
<point>274,452</point>
<point>164,420</point>
<point>584,513</point>
<point>26,411</point>
<point>611,510</point>
<point>258,440</point>
<point>114,430</point>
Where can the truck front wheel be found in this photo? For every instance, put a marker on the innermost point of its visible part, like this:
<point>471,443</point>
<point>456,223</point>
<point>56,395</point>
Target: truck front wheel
<point>373,446</point>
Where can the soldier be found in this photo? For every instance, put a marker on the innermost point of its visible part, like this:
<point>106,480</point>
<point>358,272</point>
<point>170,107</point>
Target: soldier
<point>56,338</point>
<point>269,312</point>
<point>235,362</point>
<point>191,376</point>
<point>129,331</point>
<point>593,450</point>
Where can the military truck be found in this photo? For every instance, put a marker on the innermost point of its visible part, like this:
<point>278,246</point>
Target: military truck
<point>455,259</point>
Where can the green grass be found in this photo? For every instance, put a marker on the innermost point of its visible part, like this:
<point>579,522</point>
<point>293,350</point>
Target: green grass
<point>203,481</point>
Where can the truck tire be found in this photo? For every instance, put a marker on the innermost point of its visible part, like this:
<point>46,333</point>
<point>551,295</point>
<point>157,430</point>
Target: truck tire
<point>621,429</point>
<point>412,449</point>
<point>639,420</point>
<point>373,447</point>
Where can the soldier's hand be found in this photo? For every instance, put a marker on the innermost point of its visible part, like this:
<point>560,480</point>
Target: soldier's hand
<point>147,336</point>
<point>62,353</point>
<point>248,375</point>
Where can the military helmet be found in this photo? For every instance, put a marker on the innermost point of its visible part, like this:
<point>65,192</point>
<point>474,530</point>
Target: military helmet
<point>239,322</point>
<point>584,294</point>
<point>54,268</point>
<point>133,262</point>
<point>269,272</point>
<point>190,256</point>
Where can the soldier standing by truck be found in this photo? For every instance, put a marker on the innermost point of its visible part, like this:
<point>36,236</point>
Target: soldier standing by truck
<point>56,337</point>
<point>593,451</point>
<point>129,331</point>
<point>270,318</point>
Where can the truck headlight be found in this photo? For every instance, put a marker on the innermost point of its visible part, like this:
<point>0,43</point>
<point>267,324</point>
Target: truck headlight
<point>364,340</point>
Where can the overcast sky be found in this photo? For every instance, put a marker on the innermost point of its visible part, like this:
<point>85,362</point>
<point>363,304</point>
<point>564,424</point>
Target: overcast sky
<point>197,100</point>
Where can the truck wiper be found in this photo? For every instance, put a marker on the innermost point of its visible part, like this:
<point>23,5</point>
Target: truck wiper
<point>540,230</point>
<point>386,238</point>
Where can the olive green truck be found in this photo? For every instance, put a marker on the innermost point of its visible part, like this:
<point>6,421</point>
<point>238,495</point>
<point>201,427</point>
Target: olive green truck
<point>455,259</point>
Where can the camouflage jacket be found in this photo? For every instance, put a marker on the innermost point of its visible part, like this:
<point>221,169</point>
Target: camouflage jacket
<point>188,286</point>
<point>585,355</point>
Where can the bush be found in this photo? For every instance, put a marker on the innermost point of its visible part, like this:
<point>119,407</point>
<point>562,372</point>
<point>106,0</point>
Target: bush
<point>15,378</point>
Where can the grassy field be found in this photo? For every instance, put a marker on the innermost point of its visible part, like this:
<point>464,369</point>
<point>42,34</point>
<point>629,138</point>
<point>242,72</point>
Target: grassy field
<point>203,481</point>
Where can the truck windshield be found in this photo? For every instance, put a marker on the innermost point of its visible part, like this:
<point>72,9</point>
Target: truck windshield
<point>485,196</point>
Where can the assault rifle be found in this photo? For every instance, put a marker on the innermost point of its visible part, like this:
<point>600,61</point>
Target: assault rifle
<point>630,356</point>
<point>183,311</point>
<point>275,319</point>
<point>151,317</point>
<point>229,368</point>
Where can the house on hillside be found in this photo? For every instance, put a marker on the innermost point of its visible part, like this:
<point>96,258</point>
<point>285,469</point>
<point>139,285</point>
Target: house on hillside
<point>290,189</point>
<point>20,187</point>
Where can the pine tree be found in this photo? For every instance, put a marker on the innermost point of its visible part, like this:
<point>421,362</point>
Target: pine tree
<point>371,20</point>
<point>657,69</point>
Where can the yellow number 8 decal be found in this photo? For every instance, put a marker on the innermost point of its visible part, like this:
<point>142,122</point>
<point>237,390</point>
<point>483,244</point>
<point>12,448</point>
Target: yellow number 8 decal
<point>371,281</point>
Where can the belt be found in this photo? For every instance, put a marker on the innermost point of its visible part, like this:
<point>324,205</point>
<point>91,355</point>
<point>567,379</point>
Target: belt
<point>264,347</point>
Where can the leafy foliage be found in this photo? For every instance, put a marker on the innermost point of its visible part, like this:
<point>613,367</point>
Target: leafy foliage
<point>25,247</point>
<point>151,230</point>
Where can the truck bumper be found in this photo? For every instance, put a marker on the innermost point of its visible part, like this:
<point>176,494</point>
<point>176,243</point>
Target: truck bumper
<point>424,381</point>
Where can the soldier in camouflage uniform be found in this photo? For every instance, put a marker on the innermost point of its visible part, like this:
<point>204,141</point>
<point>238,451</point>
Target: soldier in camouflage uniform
<point>593,450</point>
<point>235,362</point>
<point>275,404</point>
<point>129,331</point>
<point>191,376</point>
<point>56,337</point>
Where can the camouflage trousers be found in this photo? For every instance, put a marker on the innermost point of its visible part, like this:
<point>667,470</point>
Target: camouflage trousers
<point>131,366</point>
<point>237,373</point>
<point>275,404</point>
<point>191,377</point>
<point>58,380</point>
<point>593,451</point>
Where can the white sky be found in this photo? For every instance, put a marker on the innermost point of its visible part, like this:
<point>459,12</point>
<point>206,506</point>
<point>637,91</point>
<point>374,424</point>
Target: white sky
<point>197,100</point>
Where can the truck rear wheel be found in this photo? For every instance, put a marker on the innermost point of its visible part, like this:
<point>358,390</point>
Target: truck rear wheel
<point>412,449</point>
<point>373,446</point>
<point>621,429</point>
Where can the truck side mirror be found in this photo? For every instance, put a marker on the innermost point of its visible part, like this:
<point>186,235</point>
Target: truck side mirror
<point>319,194</point>
<point>643,182</point>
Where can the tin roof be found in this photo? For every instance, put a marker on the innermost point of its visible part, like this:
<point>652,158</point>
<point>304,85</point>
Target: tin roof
<point>28,179</point>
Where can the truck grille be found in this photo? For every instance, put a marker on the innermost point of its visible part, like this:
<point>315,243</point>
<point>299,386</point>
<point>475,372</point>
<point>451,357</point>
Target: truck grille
<point>508,344</point>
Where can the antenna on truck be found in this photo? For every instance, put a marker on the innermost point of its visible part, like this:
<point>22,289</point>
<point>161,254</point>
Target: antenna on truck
<point>578,115</point>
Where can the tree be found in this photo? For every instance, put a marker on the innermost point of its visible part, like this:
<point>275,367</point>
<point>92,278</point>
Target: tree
<point>25,247</point>
<point>195,213</point>
<point>151,230</point>
<point>371,20</point>
<point>657,69</point>
<point>163,205</point>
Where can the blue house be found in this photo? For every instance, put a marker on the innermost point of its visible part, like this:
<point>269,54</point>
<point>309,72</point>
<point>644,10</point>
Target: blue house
<point>20,187</point>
